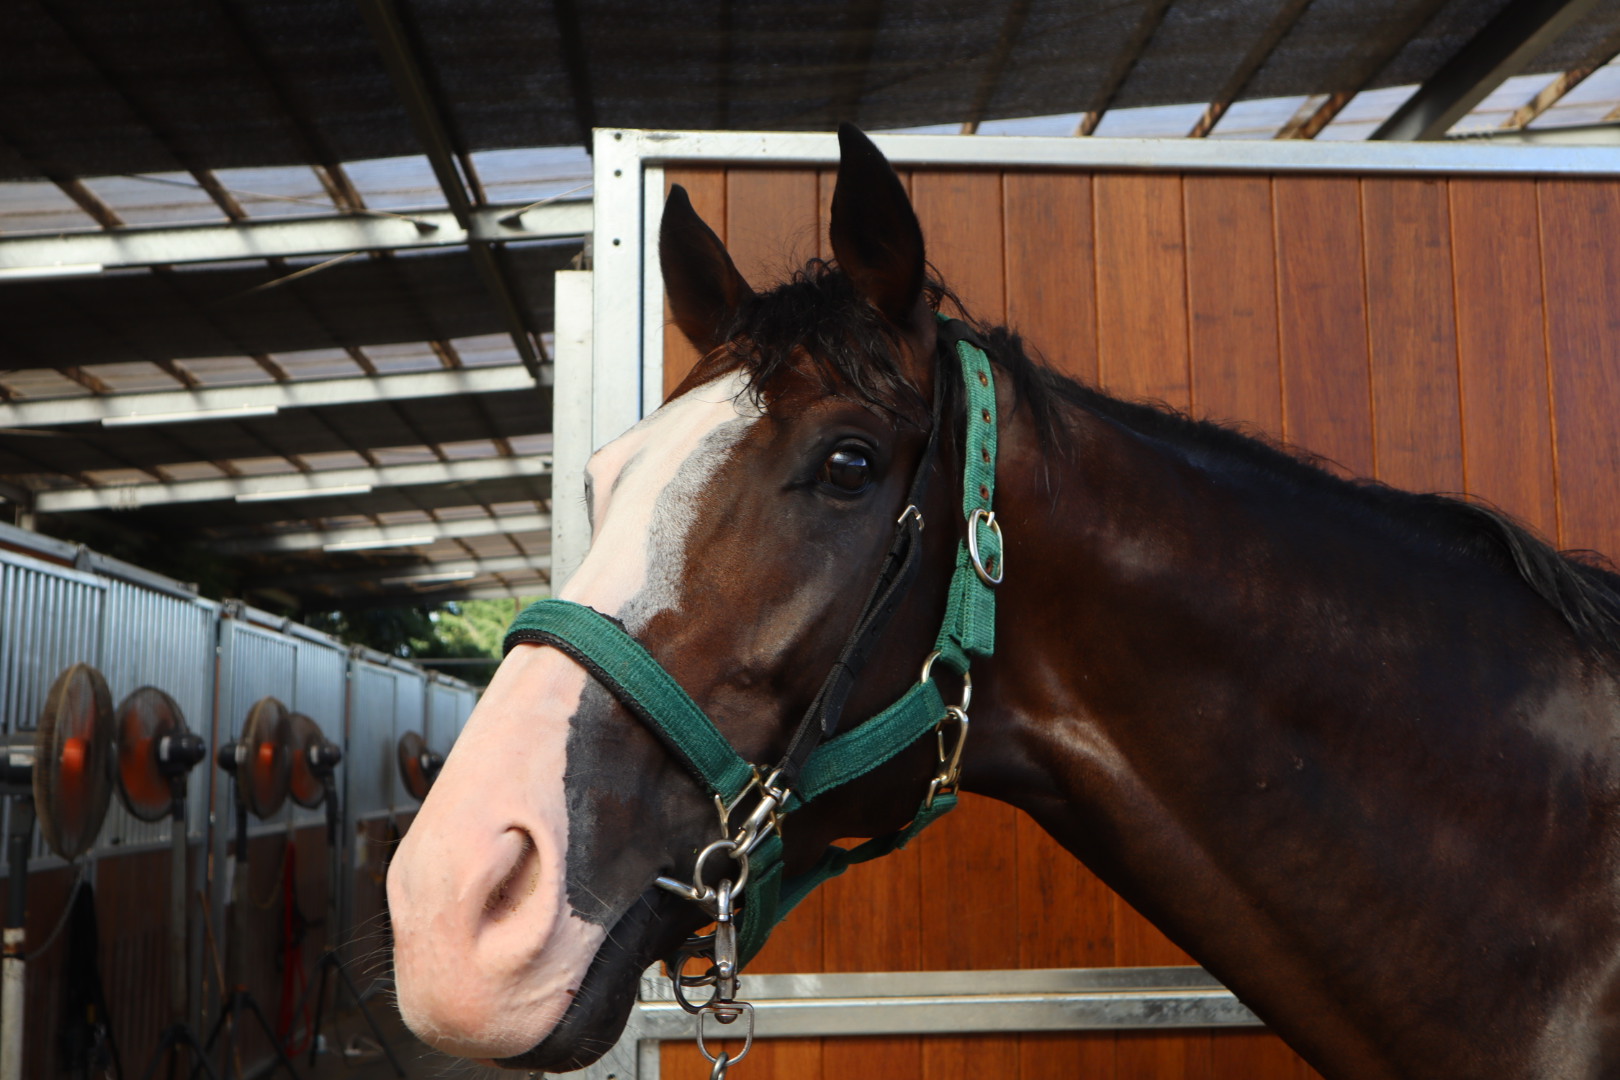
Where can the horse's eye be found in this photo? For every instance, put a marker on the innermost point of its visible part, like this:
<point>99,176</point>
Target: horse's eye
<point>847,469</point>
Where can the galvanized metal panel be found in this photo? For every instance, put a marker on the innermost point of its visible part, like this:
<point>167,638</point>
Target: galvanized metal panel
<point>373,704</point>
<point>150,638</point>
<point>448,706</point>
<point>254,663</point>
<point>320,691</point>
<point>50,619</point>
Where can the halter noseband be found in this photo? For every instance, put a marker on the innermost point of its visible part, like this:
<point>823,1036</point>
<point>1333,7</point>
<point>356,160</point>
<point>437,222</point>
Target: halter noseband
<point>816,761</point>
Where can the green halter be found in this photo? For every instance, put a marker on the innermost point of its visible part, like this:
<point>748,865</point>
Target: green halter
<point>641,684</point>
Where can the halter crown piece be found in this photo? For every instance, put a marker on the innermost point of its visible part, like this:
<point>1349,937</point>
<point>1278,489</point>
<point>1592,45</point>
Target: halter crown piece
<point>748,903</point>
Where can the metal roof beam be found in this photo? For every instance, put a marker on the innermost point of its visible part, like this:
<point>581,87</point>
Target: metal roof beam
<point>286,238</point>
<point>240,402</point>
<point>381,537</point>
<point>405,70</point>
<point>289,485</point>
<point>449,571</point>
<point>1520,32</point>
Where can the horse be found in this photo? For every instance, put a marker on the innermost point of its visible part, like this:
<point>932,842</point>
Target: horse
<point>1352,748</point>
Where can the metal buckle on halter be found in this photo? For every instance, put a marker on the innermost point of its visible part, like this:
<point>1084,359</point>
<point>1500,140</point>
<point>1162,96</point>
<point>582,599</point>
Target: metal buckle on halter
<point>988,517</point>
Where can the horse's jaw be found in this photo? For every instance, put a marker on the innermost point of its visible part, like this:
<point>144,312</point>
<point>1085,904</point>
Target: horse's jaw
<point>488,952</point>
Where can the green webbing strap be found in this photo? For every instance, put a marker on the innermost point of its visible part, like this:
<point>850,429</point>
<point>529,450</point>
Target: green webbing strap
<point>864,747</point>
<point>771,895</point>
<point>620,663</point>
<point>969,630</point>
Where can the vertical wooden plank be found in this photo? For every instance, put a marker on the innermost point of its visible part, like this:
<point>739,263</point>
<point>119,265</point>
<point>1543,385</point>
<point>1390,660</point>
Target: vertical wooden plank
<point>1502,349</point>
<point>1051,280</point>
<point>707,188</point>
<point>1322,324</point>
<point>1051,301</point>
<point>964,926</point>
<point>1581,263</point>
<point>1142,353</point>
<point>770,222</point>
<point>1141,287</point>
<point>1417,427</point>
<point>1232,300</point>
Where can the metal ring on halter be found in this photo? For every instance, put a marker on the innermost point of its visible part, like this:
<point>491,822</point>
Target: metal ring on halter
<point>737,1008</point>
<point>736,856</point>
<point>967,680</point>
<point>911,511</point>
<point>989,518</point>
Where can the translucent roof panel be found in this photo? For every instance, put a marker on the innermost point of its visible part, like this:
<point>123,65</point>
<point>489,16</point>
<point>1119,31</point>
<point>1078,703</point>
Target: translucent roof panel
<point>1061,124</point>
<point>486,350</point>
<point>132,378</point>
<point>40,383</point>
<point>288,191</point>
<point>401,183</point>
<point>35,206</point>
<point>317,364</point>
<point>157,199</point>
<point>526,176</point>
<point>1151,122</point>
<point>1594,101</point>
<point>1368,109</point>
<point>1500,104</point>
<point>412,356</point>
<point>1261,118</point>
<point>228,370</point>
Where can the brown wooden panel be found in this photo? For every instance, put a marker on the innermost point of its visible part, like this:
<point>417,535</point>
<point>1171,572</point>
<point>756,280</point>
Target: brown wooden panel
<point>1141,353</point>
<point>1417,427</point>
<point>707,188</point>
<point>1322,322</point>
<point>1501,348</point>
<point>960,214</point>
<point>1141,287</point>
<point>1232,297</point>
<point>1051,282</point>
<point>1580,220</point>
<point>771,222</point>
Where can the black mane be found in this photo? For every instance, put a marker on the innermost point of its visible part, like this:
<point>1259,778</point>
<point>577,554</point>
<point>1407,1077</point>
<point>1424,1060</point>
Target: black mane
<point>818,314</point>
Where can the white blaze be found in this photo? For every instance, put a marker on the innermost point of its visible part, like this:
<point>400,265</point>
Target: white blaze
<point>488,951</point>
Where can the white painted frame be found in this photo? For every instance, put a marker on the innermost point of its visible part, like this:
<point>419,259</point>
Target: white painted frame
<point>623,377</point>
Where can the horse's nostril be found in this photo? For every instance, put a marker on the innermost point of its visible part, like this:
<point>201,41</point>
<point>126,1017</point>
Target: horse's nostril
<point>518,882</point>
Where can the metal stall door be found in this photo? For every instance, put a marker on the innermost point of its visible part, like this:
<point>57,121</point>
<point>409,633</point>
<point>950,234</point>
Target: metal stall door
<point>386,701</point>
<point>449,703</point>
<point>154,633</point>
<point>1368,302</point>
<point>50,619</point>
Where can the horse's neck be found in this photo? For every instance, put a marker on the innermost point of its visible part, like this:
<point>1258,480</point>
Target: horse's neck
<point>1289,744</point>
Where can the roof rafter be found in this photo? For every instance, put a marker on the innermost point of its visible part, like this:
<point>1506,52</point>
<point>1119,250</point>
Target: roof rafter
<point>1146,27</point>
<point>266,238</point>
<point>229,402</point>
<point>360,537</point>
<point>291,485</point>
<point>426,573</point>
<point>427,118</point>
<point>1517,35</point>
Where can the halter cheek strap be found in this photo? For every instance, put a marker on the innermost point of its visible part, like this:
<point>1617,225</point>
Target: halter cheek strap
<point>818,761</point>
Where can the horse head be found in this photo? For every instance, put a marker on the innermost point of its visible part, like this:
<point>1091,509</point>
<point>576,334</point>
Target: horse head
<point>738,536</point>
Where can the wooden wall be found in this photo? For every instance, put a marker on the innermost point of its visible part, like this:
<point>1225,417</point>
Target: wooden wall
<point>1438,334</point>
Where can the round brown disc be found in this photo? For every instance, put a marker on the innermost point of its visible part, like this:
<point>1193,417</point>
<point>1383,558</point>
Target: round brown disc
<point>417,781</point>
<point>304,786</point>
<point>262,776</point>
<point>145,718</point>
<point>73,760</point>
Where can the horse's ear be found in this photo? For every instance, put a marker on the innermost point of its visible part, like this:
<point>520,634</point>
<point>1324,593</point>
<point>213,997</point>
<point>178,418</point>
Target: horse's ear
<point>874,231</point>
<point>705,289</point>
